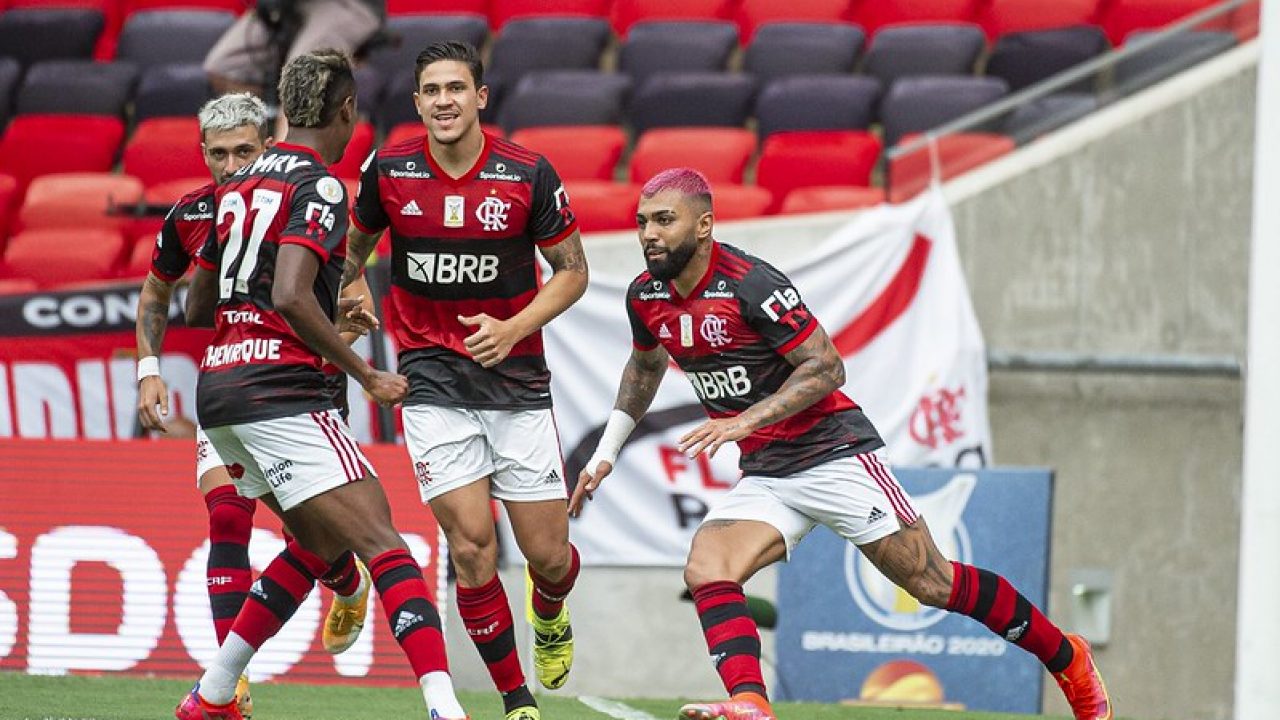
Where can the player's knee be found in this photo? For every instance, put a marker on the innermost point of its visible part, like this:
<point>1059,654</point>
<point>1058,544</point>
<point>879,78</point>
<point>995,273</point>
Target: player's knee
<point>551,560</point>
<point>701,569</point>
<point>470,556</point>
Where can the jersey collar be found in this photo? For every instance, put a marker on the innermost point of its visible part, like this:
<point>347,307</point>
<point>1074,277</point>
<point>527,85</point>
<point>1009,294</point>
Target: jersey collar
<point>290,147</point>
<point>465,177</point>
<point>706,277</point>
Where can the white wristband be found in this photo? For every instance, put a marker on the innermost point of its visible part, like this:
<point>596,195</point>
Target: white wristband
<point>148,366</point>
<point>616,432</point>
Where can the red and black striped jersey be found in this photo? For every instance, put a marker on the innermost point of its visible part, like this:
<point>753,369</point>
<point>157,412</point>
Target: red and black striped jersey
<point>460,247</point>
<point>256,367</point>
<point>186,229</point>
<point>730,336</point>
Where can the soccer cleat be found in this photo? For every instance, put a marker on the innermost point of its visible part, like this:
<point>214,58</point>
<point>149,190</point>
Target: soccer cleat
<point>735,708</point>
<point>244,703</point>
<point>346,619</point>
<point>1082,684</point>
<point>528,712</point>
<point>194,707</point>
<point>552,642</point>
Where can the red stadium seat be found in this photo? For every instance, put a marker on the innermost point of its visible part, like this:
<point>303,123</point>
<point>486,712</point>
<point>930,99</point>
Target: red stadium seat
<point>719,153</point>
<point>64,255</point>
<point>8,202</point>
<point>437,7</point>
<point>354,156</point>
<point>580,152</point>
<point>500,11</point>
<point>1001,17</point>
<point>404,131</point>
<point>233,6</point>
<point>791,160</point>
<point>738,202</point>
<point>1121,17</point>
<point>18,286</point>
<point>957,154</point>
<point>37,145</point>
<point>875,14</point>
<point>603,206</point>
<point>828,198</point>
<point>754,13</point>
<point>163,149</point>
<point>138,264</point>
<point>170,191</point>
<point>628,12</point>
<point>78,200</point>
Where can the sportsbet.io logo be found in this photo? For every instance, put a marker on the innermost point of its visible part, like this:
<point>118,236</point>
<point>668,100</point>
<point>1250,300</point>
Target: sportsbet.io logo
<point>886,603</point>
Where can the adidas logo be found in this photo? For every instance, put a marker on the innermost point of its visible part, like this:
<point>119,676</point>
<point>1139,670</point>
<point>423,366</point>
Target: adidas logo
<point>406,620</point>
<point>256,589</point>
<point>664,333</point>
<point>411,208</point>
<point>876,515</point>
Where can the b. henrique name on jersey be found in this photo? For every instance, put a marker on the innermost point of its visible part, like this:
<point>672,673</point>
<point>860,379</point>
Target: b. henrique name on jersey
<point>256,368</point>
<point>460,247</point>
<point>730,336</point>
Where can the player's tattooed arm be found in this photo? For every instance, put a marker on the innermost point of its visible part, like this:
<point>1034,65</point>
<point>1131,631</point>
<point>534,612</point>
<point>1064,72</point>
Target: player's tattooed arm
<point>153,314</point>
<point>359,245</point>
<point>819,370</point>
<point>640,380</point>
<point>202,297</point>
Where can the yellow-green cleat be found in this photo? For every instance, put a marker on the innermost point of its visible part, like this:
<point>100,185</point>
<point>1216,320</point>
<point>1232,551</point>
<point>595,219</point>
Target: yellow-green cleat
<point>525,713</point>
<point>244,702</point>
<point>346,619</point>
<point>552,642</point>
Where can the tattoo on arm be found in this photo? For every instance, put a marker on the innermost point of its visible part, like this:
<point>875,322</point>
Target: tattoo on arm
<point>567,255</point>
<point>359,245</point>
<point>640,380</point>
<point>153,315</point>
<point>818,371</point>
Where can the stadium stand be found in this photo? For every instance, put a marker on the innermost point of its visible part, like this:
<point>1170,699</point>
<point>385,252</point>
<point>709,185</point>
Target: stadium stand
<point>792,160</point>
<point>1047,114</point>
<point>500,11</point>
<point>656,47</point>
<point>817,102</point>
<point>35,145</point>
<point>721,154</point>
<point>361,144</point>
<point>875,14</point>
<point>754,15</point>
<point>71,87</point>
<point>534,44</point>
<point>63,255</point>
<point>169,37</point>
<point>30,35</point>
<point>79,200</point>
<point>10,71</point>
<point>736,202</point>
<point>8,200</point>
<point>826,198</point>
<point>689,99</point>
<point>626,13</point>
<point>782,49</point>
<point>568,97</point>
<point>583,152</point>
<point>1168,57</point>
<point>918,104</point>
<point>171,91</point>
<point>164,149</point>
<point>1001,17</point>
<point>601,206</point>
<point>958,153</point>
<point>1119,18</point>
<point>418,7</point>
<point>926,49</point>
<point>1025,58</point>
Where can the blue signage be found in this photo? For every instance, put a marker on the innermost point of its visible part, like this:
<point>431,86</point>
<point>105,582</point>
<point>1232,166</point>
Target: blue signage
<point>846,633</point>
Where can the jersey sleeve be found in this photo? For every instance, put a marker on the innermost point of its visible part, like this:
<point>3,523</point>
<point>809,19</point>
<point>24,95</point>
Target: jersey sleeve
<point>773,307</point>
<point>551,219</point>
<point>318,216</point>
<point>169,259</point>
<point>368,215</point>
<point>641,338</point>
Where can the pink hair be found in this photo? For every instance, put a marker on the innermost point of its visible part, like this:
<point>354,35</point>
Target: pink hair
<point>686,181</point>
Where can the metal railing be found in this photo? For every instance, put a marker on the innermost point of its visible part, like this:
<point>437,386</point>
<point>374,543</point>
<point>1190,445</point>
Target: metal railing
<point>1105,363</point>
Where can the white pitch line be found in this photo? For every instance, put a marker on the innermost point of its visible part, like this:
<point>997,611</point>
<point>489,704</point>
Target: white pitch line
<point>614,709</point>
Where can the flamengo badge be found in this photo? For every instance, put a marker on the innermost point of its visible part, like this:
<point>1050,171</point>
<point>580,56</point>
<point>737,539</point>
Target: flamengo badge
<point>686,330</point>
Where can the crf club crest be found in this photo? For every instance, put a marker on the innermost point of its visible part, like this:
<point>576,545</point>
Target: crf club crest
<point>937,419</point>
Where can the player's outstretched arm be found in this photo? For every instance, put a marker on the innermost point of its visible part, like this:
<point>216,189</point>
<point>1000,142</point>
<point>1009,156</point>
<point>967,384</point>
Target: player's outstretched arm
<point>202,298</point>
<point>359,245</point>
<point>640,380</point>
<point>152,321</point>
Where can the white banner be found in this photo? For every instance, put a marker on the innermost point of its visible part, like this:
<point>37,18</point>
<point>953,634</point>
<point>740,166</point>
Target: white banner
<point>889,290</point>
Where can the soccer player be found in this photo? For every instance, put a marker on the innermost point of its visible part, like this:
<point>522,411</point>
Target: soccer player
<point>233,134</point>
<point>770,378</point>
<point>263,400</point>
<point>466,211</point>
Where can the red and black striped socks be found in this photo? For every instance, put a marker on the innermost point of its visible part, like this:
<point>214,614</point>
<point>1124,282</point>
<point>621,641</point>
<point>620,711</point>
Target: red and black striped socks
<point>992,601</point>
<point>228,573</point>
<point>487,617</point>
<point>731,636</point>
<point>548,596</point>
<point>413,618</point>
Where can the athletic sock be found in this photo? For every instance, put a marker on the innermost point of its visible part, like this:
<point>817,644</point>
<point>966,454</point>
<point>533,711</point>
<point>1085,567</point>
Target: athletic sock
<point>518,698</point>
<point>438,693</point>
<point>343,578</point>
<point>992,601</point>
<point>487,618</point>
<point>413,618</point>
<point>732,636</point>
<point>228,573</point>
<point>548,596</point>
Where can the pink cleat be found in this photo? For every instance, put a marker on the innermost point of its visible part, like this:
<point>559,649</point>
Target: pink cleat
<point>194,707</point>
<point>739,707</point>
<point>1082,684</point>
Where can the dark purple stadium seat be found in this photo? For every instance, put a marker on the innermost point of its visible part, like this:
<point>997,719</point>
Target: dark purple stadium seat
<point>565,97</point>
<point>907,50</point>
<point>692,100</point>
<point>30,35</point>
<point>1025,58</point>
<point>396,106</point>
<point>654,47</point>
<point>919,104</point>
<point>800,48</point>
<point>369,86</point>
<point>169,90</point>
<point>10,71</point>
<point>412,33</point>
<point>1047,114</point>
<point>817,102</point>
<point>167,37</point>
<point>1169,56</point>
<point>77,87</point>
<point>534,44</point>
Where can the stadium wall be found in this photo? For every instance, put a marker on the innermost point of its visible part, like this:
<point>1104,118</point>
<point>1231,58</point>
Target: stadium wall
<point>1126,233</point>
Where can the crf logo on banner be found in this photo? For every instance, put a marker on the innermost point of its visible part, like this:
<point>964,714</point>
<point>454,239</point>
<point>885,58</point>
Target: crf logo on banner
<point>715,331</point>
<point>493,213</point>
<point>936,420</point>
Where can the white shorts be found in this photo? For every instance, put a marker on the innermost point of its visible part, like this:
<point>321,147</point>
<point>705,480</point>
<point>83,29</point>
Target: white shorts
<point>857,497</point>
<point>207,457</point>
<point>294,458</point>
<point>518,449</point>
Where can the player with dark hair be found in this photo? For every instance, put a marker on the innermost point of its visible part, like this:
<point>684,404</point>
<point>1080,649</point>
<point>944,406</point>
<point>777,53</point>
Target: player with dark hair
<point>466,212</point>
<point>770,378</point>
<point>277,260</point>
<point>233,134</point>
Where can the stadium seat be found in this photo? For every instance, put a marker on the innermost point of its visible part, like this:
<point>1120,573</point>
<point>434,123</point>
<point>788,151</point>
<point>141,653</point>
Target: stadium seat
<point>30,35</point>
<point>692,99</point>
<point>18,286</point>
<point>397,106</point>
<point>415,32</point>
<point>932,49</point>
<point>957,154</point>
<point>782,49</point>
<point>77,87</point>
<point>79,200</point>
<point>170,191</point>
<point>1168,57</point>
<point>602,206</point>
<point>500,11</point>
<point>370,84</point>
<point>566,97</point>
<point>163,149</point>
<point>1046,114</point>
<point>830,198</point>
<point>721,154</point>
<point>110,10</point>
<point>64,255</point>
<point>10,71</point>
<point>138,264</point>
<point>582,152</point>
<point>739,202</point>
<point>42,144</point>
<point>817,102</point>
<point>1026,58</point>
<point>235,7</point>
<point>8,202</point>
<point>450,7</point>
<point>361,144</point>
<point>875,14</point>
<point>752,15</point>
<point>626,13</point>
<point>171,91</point>
<point>1122,17</point>
<point>1001,17</point>
<point>168,37</point>
<point>542,43</point>
<point>654,47</point>
<point>793,160</point>
<point>402,132</point>
<point>919,104</point>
